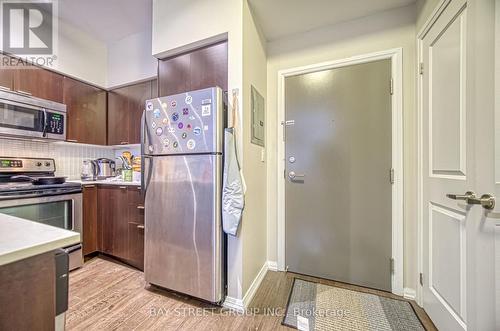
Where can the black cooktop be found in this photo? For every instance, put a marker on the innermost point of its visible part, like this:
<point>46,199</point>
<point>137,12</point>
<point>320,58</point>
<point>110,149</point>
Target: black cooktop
<point>28,186</point>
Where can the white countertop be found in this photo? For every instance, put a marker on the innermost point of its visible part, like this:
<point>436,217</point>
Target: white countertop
<point>20,238</point>
<point>106,182</point>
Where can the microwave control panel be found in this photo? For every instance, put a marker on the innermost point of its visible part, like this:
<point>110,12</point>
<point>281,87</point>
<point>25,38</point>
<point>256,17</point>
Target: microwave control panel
<point>55,123</point>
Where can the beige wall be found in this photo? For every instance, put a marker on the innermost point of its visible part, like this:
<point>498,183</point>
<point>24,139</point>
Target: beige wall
<point>254,217</point>
<point>390,29</point>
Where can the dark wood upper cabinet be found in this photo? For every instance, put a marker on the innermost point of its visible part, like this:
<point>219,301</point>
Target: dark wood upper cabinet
<point>90,217</point>
<point>138,94</point>
<point>6,73</point>
<point>86,109</point>
<point>202,68</point>
<point>154,89</point>
<point>209,67</point>
<point>118,121</point>
<point>38,82</point>
<point>173,75</point>
<point>125,107</point>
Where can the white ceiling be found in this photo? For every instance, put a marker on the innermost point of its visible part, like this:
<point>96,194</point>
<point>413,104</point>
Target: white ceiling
<point>281,18</point>
<point>107,20</point>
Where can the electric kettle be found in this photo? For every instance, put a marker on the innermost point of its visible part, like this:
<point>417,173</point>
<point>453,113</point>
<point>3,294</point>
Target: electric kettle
<point>89,170</point>
<point>105,168</point>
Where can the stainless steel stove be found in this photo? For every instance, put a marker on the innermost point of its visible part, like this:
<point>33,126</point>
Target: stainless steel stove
<point>57,205</point>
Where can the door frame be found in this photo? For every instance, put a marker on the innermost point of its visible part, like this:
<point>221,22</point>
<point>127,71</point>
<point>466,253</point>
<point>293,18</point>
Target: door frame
<point>396,57</point>
<point>440,7</point>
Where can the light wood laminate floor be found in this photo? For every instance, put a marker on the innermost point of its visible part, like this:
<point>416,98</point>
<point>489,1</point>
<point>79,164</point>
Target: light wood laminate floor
<point>107,295</point>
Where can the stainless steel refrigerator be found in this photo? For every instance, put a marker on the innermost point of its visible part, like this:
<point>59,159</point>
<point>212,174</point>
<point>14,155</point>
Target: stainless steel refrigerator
<point>182,145</point>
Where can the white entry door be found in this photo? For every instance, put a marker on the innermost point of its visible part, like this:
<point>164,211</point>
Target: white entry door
<point>457,90</point>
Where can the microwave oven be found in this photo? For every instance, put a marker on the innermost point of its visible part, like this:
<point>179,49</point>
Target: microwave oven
<point>25,116</point>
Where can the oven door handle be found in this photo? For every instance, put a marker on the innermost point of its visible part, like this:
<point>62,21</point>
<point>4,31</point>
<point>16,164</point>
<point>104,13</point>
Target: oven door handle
<point>37,195</point>
<point>73,248</point>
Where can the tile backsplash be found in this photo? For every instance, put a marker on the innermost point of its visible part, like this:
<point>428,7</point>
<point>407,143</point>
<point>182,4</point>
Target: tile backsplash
<point>68,156</point>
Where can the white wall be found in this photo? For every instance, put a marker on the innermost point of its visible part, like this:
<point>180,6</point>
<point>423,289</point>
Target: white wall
<point>130,59</point>
<point>387,30</point>
<point>254,224</point>
<point>81,56</point>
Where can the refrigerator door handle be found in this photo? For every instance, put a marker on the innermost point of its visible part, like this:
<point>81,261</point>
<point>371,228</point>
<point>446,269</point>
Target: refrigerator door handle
<point>144,186</point>
<point>144,180</point>
<point>143,118</point>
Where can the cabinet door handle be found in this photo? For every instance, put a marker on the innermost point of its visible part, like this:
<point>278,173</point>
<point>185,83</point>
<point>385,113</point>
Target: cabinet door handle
<point>140,207</point>
<point>124,143</point>
<point>140,226</point>
<point>89,186</point>
<point>123,187</point>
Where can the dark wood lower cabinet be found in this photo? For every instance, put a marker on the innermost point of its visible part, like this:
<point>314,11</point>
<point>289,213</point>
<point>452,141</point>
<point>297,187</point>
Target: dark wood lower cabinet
<point>120,222</point>
<point>113,220</point>
<point>136,244</point>
<point>90,219</point>
<point>135,227</point>
<point>27,294</point>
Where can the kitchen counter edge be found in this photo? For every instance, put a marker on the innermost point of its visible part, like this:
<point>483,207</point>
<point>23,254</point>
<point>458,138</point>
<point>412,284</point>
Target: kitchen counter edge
<point>21,238</point>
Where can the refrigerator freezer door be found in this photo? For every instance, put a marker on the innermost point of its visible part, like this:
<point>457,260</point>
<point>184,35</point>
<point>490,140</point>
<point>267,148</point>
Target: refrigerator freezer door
<point>183,235</point>
<point>187,123</point>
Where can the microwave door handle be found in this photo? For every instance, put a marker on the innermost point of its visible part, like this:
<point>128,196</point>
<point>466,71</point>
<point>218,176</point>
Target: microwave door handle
<point>45,124</point>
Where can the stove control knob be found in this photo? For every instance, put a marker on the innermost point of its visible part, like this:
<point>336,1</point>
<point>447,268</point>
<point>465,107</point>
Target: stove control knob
<point>47,164</point>
<point>39,164</point>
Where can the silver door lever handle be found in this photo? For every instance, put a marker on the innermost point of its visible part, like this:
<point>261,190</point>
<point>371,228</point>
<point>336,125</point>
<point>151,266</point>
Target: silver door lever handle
<point>292,175</point>
<point>466,196</point>
<point>487,201</point>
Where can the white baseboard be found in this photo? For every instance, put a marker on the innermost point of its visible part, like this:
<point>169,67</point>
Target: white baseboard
<point>241,304</point>
<point>272,265</point>
<point>233,304</point>
<point>409,293</point>
<point>255,284</point>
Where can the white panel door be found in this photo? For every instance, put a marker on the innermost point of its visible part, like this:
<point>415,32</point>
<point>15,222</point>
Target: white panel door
<point>458,154</point>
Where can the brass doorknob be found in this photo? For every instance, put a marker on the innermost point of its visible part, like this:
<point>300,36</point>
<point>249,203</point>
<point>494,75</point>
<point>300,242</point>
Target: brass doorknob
<point>486,200</point>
